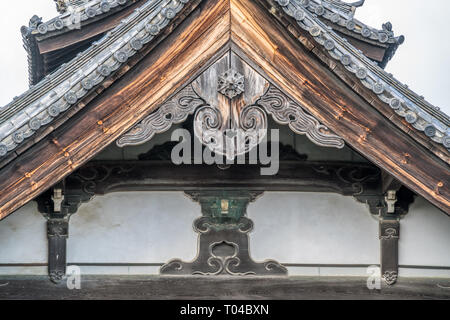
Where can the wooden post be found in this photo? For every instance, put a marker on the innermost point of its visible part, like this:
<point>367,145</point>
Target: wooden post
<point>57,205</point>
<point>389,235</point>
<point>57,233</point>
<point>53,205</point>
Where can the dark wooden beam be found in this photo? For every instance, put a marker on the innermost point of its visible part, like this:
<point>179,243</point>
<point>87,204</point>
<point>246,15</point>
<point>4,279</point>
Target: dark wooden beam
<point>225,288</point>
<point>102,177</point>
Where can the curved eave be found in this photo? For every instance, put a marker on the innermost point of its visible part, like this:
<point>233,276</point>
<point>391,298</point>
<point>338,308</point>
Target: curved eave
<point>62,90</point>
<point>415,111</point>
<point>339,18</point>
<point>34,36</point>
<point>80,16</point>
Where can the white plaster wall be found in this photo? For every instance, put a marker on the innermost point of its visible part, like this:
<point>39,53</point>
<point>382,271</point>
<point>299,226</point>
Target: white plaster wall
<point>141,227</point>
<point>23,236</point>
<point>296,228</point>
<point>424,236</point>
<point>313,228</point>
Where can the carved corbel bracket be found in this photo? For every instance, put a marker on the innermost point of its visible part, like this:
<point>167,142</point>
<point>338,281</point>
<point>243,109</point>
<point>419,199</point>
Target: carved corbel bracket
<point>223,238</point>
<point>389,203</point>
<point>57,205</point>
<point>388,197</point>
<point>389,235</point>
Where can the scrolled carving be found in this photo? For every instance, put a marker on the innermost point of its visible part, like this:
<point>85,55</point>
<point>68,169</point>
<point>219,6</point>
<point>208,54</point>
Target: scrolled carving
<point>223,241</point>
<point>56,276</point>
<point>206,224</point>
<point>357,176</point>
<point>57,228</point>
<point>233,141</point>
<point>390,233</point>
<point>174,111</point>
<point>253,118</point>
<point>89,177</point>
<point>389,230</point>
<point>286,111</point>
<point>390,277</point>
<point>207,125</point>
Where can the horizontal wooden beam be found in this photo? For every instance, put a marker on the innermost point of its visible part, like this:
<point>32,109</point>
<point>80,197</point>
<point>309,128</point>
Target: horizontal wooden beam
<point>102,177</point>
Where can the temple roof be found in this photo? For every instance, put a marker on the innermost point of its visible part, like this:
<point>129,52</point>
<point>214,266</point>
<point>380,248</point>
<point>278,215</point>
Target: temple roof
<point>78,11</point>
<point>55,94</point>
<point>60,92</point>
<point>381,44</point>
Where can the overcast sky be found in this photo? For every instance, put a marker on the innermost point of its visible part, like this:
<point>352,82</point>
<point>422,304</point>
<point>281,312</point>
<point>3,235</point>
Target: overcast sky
<point>422,62</point>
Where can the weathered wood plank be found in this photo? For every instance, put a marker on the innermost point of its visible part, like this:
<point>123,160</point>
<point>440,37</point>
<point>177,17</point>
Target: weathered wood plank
<point>197,288</point>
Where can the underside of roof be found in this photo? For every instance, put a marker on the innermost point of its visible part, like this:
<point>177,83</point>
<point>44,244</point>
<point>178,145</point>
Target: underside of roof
<point>36,121</point>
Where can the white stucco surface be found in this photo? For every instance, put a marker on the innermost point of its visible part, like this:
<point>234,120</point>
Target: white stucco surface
<point>312,228</point>
<point>294,228</point>
<point>23,236</point>
<point>425,236</point>
<point>146,227</point>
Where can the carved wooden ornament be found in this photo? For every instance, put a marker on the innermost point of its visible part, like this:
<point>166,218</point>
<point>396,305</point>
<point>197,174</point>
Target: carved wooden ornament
<point>223,243</point>
<point>231,102</point>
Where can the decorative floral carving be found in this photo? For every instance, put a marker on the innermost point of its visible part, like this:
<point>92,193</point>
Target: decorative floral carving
<point>231,83</point>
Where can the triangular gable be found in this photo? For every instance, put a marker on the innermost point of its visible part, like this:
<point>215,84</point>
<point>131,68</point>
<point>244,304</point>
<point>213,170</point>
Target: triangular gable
<point>130,94</point>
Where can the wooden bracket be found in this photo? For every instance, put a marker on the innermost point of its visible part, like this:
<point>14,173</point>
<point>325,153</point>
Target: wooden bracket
<point>223,245</point>
<point>389,197</point>
<point>57,233</point>
<point>389,235</point>
<point>390,203</point>
<point>57,205</point>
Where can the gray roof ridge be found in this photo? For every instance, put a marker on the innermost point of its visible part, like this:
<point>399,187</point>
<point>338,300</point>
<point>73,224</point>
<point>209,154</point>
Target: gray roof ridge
<point>63,88</point>
<point>422,115</point>
<point>77,13</point>
<point>332,11</point>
